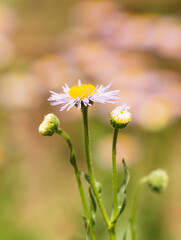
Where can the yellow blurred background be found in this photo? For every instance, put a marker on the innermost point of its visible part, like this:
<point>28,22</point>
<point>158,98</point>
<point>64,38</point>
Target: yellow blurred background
<point>136,45</point>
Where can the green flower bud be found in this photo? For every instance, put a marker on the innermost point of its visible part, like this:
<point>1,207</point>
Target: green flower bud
<point>120,116</point>
<point>158,180</point>
<point>49,125</point>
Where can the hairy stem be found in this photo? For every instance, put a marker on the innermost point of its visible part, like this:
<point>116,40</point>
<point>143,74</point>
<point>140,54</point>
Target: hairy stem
<point>114,173</point>
<point>112,235</point>
<point>90,168</point>
<point>79,183</point>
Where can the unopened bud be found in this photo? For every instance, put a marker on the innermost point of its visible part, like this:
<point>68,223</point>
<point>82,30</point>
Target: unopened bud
<point>158,180</point>
<point>120,116</point>
<point>49,125</point>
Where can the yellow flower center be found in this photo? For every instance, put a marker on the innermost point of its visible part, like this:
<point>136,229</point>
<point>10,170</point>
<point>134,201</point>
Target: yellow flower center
<point>82,91</point>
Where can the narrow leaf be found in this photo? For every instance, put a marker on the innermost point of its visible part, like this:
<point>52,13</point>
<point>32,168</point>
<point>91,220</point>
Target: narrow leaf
<point>72,158</point>
<point>93,207</point>
<point>121,193</point>
<point>86,222</point>
<point>86,177</point>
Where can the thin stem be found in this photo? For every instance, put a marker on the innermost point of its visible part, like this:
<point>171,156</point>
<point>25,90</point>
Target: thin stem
<point>90,168</point>
<point>79,183</point>
<point>114,173</point>
<point>133,214</point>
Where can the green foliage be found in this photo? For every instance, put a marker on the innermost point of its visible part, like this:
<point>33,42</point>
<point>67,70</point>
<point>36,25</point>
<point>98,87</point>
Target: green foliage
<point>121,194</point>
<point>86,221</point>
<point>93,205</point>
<point>86,177</point>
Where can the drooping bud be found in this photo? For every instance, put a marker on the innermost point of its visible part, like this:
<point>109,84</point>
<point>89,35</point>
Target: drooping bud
<point>120,116</point>
<point>158,180</point>
<point>49,125</point>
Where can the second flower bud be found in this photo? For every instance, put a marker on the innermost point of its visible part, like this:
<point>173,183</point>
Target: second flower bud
<point>49,125</point>
<point>120,116</point>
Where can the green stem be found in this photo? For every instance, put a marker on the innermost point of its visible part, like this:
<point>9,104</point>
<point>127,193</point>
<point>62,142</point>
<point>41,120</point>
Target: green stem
<point>114,173</point>
<point>112,235</point>
<point>74,164</point>
<point>133,214</point>
<point>90,168</point>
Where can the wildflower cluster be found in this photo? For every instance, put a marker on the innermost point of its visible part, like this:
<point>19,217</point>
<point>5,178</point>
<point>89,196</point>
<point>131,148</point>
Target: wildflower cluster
<point>82,96</point>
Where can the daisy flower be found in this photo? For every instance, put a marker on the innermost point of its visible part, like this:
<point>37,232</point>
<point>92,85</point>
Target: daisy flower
<point>85,94</point>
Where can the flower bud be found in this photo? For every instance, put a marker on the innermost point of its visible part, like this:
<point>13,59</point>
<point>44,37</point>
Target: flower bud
<point>120,116</point>
<point>49,125</point>
<point>158,180</point>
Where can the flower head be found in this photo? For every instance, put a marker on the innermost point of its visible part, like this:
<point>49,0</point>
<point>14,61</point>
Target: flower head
<point>120,116</point>
<point>49,125</point>
<point>158,180</point>
<point>82,95</point>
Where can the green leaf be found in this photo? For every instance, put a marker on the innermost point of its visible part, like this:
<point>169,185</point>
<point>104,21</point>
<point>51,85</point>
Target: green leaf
<point>86,221</point>
<point>72,158</point>
<point>121,194</point>
<point>86,177</point>
<point>93,207</point>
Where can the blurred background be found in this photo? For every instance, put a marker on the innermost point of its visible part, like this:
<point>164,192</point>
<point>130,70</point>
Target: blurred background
<point>44,44</point>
